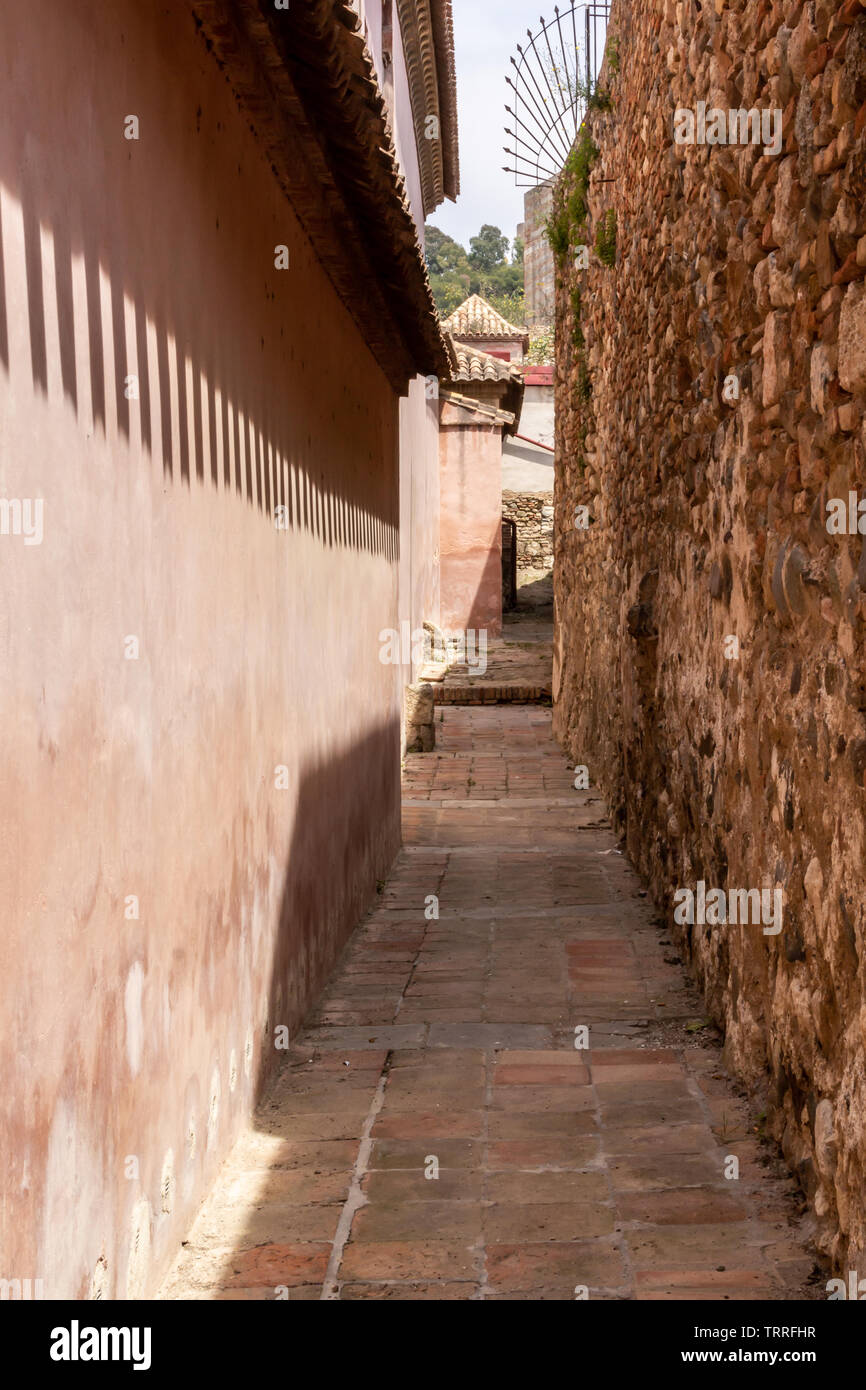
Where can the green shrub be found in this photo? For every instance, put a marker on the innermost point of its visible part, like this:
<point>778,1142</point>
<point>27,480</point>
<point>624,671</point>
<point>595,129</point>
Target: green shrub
<point>541,346</point>
<point>600,100</point>
<point>571,204</point>
<point>605,239</point>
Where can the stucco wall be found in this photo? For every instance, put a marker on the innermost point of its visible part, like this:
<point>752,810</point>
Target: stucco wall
<point>419,412</point>
<point>402,120</point>
<point>404,130</point>
<point>470,457</point>
<point>419,512</point>
<point>498,347</point>
<point>142,1039</point>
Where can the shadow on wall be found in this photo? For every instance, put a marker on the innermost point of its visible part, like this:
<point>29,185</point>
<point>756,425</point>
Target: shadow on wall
<point>537,595</point>
<point>526,453</point>
<point>196,415</point>
<point>171,369</point>
<point>193,410</point>
<point>319,911</point>
<point>329,831</point>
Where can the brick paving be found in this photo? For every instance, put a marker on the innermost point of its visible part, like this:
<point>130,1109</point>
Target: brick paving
<point>448,1044</point>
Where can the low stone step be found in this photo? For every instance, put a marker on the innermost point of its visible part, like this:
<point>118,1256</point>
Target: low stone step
<point>481,694</point>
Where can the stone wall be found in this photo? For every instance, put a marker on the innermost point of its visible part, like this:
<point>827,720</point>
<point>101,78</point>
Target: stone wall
<point>710,659</point>
<point>533,512</point>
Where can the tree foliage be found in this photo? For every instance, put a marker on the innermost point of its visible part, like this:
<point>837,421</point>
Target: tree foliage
<point>455,274</point>
<point>488,249</point>
<point>542,344</point>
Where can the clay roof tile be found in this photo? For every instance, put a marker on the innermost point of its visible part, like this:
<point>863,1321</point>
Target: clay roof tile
<point>475,318</point>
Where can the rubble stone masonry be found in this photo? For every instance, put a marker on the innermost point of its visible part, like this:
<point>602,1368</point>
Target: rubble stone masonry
<point>710,664</point>
<point>533,513</point>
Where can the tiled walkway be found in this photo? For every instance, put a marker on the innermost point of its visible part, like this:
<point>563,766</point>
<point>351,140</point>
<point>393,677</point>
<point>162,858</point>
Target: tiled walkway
<point>447,1045</point>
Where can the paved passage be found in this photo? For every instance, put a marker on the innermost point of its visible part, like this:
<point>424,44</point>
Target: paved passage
<point>436,1134</point>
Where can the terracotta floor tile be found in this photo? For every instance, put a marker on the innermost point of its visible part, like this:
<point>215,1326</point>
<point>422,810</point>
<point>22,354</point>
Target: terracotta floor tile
<point>447,1045</point>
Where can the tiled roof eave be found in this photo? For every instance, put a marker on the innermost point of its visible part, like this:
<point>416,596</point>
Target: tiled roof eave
<point>307,86</point>
<point>515,337</point>
<point>416,28</point>
<point>443,37</point>
<point>489,412</point>
<point>471,364</point>
<point>472,367</point>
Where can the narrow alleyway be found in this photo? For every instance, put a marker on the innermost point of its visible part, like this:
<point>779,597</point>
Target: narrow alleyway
<point>449,1045</point>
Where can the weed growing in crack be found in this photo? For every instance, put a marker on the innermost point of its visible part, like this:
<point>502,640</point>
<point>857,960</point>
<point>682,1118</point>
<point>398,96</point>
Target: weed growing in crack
<point>605,238</point>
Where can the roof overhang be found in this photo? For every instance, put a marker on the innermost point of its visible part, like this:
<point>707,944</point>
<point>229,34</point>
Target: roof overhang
<point>489,412</point>
<point>427,31</point>
<point>308,87</point>
<point>475,370</point>
<point>443,38</point>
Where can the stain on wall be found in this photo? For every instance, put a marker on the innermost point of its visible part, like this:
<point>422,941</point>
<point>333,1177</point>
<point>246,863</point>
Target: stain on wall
<point>192,821</point>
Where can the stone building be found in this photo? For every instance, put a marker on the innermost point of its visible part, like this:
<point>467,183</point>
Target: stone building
<point>538,266</point>
<point>220,462</point>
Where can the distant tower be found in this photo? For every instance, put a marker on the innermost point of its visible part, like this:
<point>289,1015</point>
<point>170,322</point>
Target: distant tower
<point>554,76</point>
<point>538,267</point>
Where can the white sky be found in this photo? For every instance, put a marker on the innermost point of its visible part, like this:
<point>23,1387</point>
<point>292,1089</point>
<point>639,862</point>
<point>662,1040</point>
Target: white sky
<point>486,34</point>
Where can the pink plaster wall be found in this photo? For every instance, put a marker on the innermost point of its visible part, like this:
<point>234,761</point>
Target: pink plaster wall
<point>470,483</point>
<point>155,777</point>
<point>509,349</point>
<point>419,412</point>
